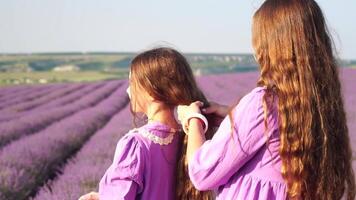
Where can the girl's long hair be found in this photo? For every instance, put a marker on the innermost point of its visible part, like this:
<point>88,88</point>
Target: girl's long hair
<point>295,53</point>
<point>167,77</point>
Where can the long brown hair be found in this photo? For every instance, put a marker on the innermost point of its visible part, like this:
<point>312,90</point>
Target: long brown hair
<point>295,53</point>
<point>167,77</point>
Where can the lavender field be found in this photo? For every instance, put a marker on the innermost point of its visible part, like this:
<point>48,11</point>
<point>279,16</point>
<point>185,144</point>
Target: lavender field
<point>57,140</point>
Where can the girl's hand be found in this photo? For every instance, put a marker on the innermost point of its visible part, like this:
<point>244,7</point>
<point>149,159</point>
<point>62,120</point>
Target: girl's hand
<point>217,109</point>
<point>90,196</point>
<point>217,113</point>
<point>184,111</point>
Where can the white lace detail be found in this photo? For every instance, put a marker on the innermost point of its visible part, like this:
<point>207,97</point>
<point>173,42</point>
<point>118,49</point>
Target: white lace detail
<point>157,140</point>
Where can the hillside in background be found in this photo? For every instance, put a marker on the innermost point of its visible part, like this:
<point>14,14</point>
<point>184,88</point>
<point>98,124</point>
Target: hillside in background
<point>112,62</point>
<point>78,67</point>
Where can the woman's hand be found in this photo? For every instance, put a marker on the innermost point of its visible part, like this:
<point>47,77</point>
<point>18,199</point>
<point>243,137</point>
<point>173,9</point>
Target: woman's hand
<point>195,131</point>
<point>217,111</point>
<point>90,196</point>
<point>184,111</point>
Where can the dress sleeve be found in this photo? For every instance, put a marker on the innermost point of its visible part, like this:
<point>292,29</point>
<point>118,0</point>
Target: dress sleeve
<point>218,159</point>
<point>124,178</point>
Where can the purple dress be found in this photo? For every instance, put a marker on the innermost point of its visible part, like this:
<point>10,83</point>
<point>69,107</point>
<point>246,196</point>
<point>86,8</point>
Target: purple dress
<point>144,165</point>
<point>239,164</point>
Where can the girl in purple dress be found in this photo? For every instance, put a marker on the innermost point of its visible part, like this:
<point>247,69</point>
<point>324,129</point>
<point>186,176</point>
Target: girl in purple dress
<point>287,138</point>
<point>149,161</point>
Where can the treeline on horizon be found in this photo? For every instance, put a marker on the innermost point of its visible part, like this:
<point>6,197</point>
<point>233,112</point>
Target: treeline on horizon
<point>111,61</point>
<point>116,62</point>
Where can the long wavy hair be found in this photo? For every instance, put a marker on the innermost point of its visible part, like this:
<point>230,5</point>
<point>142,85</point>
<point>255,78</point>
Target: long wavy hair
<point>167,77</point>
<point>295,53</point>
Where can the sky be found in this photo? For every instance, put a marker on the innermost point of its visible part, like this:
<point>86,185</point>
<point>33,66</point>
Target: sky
<point>204,26</point>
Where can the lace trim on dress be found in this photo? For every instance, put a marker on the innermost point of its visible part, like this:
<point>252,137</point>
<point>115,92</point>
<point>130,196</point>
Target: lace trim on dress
<point>158,140</point>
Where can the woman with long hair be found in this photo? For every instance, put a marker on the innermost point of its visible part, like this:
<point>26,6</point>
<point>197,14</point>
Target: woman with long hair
<point>287,138</point>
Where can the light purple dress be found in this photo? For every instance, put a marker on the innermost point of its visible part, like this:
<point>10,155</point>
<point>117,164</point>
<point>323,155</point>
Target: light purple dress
<point>142,168</point>
<point>238,164</point>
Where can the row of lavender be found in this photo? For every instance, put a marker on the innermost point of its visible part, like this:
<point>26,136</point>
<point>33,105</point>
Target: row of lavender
<point>26,95</point>
<point>87,167</point>
<point>83,173</point>
<point>34,156</point>
<point>38,119</point>
<point>348,79</point>
<point>15,110</point>
<point>54,97</point>
<point>85,170</point>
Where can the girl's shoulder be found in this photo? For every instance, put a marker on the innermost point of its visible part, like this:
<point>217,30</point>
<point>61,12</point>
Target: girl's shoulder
<point>153,133</point>
<point>256,92</point>
<point>138,137</point>
<point>253,98</point>
<point>132,137</point>
<point>129,160</point>
<point>140,143</point>
<point>252,107</point>
<point>130,146</point>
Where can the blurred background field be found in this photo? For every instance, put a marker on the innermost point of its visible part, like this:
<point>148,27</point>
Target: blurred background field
<point>57,139</point>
